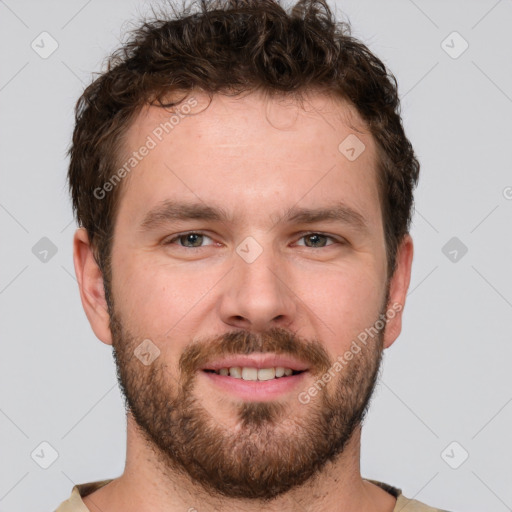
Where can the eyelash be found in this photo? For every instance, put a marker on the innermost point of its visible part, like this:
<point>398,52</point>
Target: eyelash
<point>303,235</point>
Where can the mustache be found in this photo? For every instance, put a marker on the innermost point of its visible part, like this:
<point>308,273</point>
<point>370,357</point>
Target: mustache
<point>276,340</point>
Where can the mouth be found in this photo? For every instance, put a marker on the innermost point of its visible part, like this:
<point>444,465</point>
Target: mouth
<point>256,377</point>
<point>259,366</point>
<point>252,374</point>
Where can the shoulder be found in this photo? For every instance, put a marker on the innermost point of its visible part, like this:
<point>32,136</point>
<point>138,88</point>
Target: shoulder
<point>75,503</point>
<point>404,504</point>
<point>407,505</point>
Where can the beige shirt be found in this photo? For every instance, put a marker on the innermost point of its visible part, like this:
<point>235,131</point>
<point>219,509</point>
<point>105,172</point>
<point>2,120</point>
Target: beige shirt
<point>75,503</point>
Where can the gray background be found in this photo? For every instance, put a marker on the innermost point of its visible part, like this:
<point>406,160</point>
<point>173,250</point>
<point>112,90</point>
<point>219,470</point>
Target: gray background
<point>446,379</point>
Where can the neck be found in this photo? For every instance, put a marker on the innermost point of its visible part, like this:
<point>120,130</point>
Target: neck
<point>147,485</point>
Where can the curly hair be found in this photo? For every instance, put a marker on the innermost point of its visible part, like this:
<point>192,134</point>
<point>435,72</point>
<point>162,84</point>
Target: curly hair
<point>231,47</point>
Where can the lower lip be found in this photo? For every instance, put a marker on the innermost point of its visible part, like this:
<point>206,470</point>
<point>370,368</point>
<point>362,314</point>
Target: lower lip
<point>256,390</point>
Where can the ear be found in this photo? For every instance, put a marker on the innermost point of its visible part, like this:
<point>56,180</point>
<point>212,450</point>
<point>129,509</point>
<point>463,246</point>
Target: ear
<point>90,282</point>
<point>398,287</point>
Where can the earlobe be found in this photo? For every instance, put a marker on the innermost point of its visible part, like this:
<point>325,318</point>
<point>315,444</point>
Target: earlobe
<point>90,282</point>
<point>398,287</point>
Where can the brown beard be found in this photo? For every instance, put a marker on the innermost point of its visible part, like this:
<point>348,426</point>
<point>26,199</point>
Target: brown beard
<point>270,453</point>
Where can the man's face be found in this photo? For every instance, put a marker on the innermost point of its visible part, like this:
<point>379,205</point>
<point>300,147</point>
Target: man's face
<point>258,289</point>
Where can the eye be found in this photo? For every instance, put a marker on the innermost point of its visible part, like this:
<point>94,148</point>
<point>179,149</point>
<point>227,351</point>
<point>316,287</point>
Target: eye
<point>193,238</point>
<point>317,240</point>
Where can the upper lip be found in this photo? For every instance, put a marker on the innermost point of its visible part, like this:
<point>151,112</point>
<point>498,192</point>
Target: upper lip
<point>256,361</point>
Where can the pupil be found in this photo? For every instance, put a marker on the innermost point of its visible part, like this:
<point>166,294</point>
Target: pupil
<point>310,237</point>
<point>191,237</point>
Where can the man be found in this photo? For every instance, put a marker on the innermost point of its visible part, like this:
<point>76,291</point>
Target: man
<point>243,186</point>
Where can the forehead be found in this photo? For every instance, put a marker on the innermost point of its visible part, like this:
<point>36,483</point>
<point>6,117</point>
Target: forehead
<point>251,152</point>
<point>245,118</point>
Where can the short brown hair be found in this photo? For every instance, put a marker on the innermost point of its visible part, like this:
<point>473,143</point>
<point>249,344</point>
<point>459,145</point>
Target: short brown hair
<point>234,46</point>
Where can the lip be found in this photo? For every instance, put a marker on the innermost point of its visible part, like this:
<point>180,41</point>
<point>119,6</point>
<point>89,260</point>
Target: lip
<point>257,361</point>
<point>257,391</point>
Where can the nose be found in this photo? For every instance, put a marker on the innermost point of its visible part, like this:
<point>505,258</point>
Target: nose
<point>258,295</point>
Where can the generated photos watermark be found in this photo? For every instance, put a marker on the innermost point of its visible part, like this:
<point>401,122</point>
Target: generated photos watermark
<point>355,348</point>
<point>151,142</point>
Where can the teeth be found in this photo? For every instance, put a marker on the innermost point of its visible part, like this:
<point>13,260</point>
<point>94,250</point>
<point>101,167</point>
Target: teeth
<point>235,372</point>
<point>266,373</point>
<point>250,373</point>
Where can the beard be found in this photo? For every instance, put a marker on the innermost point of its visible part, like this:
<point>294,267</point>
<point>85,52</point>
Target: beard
<point>270,451</point>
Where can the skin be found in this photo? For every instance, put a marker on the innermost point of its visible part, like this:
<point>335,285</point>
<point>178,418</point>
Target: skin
<point>255,157</point>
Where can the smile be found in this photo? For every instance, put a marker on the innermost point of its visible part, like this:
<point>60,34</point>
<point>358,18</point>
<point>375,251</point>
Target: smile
<point>253,374</point>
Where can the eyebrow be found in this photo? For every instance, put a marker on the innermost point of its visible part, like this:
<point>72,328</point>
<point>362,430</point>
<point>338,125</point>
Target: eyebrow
<point>172,211</point>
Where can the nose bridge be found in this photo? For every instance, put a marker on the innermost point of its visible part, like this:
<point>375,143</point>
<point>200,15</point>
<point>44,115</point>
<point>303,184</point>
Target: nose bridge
<point>256,263</point>
<point>257,294</point>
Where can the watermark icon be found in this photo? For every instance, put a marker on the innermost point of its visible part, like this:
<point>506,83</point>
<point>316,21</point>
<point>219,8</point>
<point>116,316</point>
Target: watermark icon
<point>454,45</point>
<point>249,249</point>
<point>44,45</point>
<point>147,352</point>
<point>355,348</point>
<point>454,455</point>
<point>454,249</point>
<point>44,250</point>
<point>507,193</point>
<point>150,143</point>
<point>44,455</point>
<point>351,147</point>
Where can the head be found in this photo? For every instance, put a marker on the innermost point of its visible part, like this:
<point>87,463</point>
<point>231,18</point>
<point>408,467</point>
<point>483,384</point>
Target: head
<point>230,126</point>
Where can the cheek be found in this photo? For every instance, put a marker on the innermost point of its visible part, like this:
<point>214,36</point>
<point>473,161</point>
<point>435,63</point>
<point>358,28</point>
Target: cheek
<point>155,298</point>
<point>344,303</point>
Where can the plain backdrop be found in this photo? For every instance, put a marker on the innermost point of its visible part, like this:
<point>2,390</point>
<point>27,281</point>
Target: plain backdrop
<point>440,421</point>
